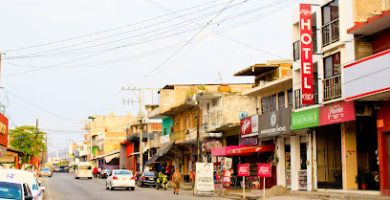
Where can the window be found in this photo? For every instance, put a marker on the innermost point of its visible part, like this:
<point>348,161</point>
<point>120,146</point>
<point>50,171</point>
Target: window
<point>330,23</point>
<point>215,102</point>
<point>281,100</point>
<point>268,103</point>
<point>332,66</point>
<point>290,98</point>
<point>296,50</point>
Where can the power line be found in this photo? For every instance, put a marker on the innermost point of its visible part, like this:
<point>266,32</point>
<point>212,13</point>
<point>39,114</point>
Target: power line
<point>106,30</point>
<point>40,108</point>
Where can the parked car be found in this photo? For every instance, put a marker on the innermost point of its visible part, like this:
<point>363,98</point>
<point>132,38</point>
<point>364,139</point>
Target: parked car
<point>21,176</point>
<point>56,169</point>
<point>15,190</point>
<point>148,179</point>
<point>104,173</point>
<point>84,170</point>
<point>120,178</point>
<point>64,169</point>
<point>45,172</point>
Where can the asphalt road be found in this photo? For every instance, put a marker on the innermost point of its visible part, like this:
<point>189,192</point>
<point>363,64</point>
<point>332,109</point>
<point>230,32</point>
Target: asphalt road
<point>64,187</point>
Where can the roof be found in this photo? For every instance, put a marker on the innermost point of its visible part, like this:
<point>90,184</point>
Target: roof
<point>15,151</point>
<point>256,70</point>
<point>172,86</point>
<point>372,25</point>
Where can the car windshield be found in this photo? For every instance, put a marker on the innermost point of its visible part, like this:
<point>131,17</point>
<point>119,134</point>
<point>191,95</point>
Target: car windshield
<point>45,169</point>
<point>85,167</point>
<point>149,173</point>
<point>10,190</point>
<point>123,172</point>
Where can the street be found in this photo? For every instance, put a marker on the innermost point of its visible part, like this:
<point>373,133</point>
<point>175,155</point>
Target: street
<point>64,187</point>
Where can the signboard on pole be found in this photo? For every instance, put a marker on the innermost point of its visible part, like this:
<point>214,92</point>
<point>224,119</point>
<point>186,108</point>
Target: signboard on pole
<point>249,126</point>
<point>264,170</point>
<point>243,169</point>
<point>204,181</point>
<point>306,44</point>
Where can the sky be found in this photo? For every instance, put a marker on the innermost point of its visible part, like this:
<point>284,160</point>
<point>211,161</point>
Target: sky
<point>66,60</point>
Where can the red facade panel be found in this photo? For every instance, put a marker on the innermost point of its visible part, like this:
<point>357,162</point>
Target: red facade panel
<point>3,130</point>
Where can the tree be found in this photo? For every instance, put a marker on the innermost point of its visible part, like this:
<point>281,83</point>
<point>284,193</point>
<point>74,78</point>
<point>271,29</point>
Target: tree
<point>27,140</point>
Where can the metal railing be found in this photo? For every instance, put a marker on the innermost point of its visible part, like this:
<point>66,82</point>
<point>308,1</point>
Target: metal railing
<point>297,99</point>
<point>330,32</point>
<point>332,88</point>
<point>211,120</point>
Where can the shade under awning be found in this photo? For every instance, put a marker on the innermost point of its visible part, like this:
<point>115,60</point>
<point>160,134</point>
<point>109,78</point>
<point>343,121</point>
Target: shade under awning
<point>164,149</point>
<point>241,150</point>
<point>111,157</point>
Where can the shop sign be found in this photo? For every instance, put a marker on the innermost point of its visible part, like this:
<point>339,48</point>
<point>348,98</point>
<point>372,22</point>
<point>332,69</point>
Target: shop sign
<point>243,169</point>
<point>305,119</point>
<point>249,141</point>
<point>264,170</point>
<point>249,126</point>
<point>274,123</point>
<point>337,113</point>
<point>306,44</point>
<point>226,163</point>
<point>204,177</point>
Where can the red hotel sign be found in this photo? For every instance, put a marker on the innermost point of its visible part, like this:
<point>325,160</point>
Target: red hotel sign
<point>243,169</point>
<point>305,24</point>
<point>337,113</point>
<point>264,170</point>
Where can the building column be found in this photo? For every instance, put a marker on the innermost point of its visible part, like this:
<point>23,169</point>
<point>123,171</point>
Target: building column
<point>295,162</point>
<point>281,164</point>
<point>349,155</point>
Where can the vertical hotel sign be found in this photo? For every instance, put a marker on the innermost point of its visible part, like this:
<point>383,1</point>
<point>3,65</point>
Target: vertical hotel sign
<point>306,38</point>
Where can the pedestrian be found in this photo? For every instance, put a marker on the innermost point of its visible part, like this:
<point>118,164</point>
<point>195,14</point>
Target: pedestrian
<point>95,171</point>
<point>176,180</point>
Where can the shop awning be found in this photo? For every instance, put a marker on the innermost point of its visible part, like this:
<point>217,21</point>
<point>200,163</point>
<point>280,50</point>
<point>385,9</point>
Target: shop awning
<point>241,150</point>
<point>111,157</point>
<point>107,155</point>
<point>164,149</point>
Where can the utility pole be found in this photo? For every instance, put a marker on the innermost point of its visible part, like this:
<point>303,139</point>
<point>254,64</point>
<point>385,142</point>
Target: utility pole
<point>36,134</point>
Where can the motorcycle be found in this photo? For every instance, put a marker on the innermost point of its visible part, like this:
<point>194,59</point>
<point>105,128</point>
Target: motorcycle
<point>162,182</point>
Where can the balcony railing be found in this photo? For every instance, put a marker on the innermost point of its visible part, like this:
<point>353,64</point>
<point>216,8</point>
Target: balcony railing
<point>332,88</point>
<point>212,120</point>
<point>297,99</point>
<point>330,32</point>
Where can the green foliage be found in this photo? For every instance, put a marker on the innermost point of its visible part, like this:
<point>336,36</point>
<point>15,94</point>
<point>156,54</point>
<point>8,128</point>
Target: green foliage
<point>27,140</point>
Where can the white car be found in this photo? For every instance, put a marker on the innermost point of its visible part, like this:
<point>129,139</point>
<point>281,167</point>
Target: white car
<point>21,176</point>
<point>83,170</point>
<point>120,178</point>
<point>15,190</point>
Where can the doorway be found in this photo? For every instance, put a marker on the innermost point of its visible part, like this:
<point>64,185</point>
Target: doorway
<point>329,167</point>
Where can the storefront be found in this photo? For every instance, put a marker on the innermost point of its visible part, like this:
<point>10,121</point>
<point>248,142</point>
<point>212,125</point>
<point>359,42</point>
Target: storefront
<point>274,125</point>
<point>383,124</point>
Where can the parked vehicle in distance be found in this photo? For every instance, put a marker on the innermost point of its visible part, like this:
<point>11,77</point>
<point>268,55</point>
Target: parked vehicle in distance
<point>56,169</point>
<point>120,178</point>
<point>15,190</point>
<point>83,170</point>
<point>104,173</point>
<point>45,172</point>
<point>148,179</point>
<point>64,169</point>
<point>21,176</point>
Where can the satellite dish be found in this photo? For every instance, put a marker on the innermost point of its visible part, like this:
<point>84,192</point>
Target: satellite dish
<point>242,115</point>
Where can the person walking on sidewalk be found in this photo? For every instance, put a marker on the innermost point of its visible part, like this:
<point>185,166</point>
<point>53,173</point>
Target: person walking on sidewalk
<point>176,180</point>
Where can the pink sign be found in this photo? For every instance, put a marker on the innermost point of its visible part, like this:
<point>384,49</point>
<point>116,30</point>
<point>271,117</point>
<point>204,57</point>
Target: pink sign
<point>243,169</point>
<point>337,113</point>
<point>246,126</point>
<point>264,170</point>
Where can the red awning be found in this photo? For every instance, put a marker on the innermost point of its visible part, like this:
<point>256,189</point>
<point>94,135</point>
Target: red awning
<point>241,150</point>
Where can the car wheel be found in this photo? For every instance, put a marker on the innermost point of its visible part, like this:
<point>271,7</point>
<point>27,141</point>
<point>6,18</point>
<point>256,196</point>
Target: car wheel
<point>76,177</point>
<point>111,188</point>
<point>127,188</point>
<point>132,188</point>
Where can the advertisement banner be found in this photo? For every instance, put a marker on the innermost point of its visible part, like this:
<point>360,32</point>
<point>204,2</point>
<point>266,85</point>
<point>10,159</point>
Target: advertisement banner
<point>249,126</point>
<point>305,119</point>
<point>243,169</point>
<point>337,113</point>
<point>204,177</point>
<point>274,123</point>
<point>264,170</point>
<point>306,50</point>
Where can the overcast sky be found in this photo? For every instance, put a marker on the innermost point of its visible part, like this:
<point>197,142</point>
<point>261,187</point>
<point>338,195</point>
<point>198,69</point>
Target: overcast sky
<point>67,60</point>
